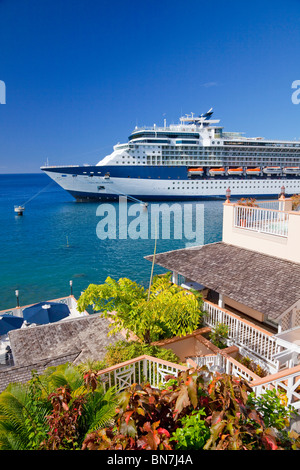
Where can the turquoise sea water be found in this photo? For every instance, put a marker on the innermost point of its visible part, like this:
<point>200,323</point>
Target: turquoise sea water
<point>56,241</point>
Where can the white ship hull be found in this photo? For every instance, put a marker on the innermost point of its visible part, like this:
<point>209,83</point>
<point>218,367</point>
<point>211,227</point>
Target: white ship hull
<point>86,188</point>
<point>192,160</point>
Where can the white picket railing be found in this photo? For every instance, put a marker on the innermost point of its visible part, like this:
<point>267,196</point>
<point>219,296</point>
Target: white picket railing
<point>244,334</point>
<point>147,369</point>
<point>273,222</point>
<point>208,360</point>
<point>286,381</point>
<point>139,370</point>
<point>274,204</point>
<point>225,363</point>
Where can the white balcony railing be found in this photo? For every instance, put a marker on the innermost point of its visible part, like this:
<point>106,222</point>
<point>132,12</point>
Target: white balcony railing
<point>146,369</point>
<point>139,370</point>
<point>286,381</point>
<point>273,222</point>
<point>244,334</point>
<point>208,360</point>
<point>229,365</point>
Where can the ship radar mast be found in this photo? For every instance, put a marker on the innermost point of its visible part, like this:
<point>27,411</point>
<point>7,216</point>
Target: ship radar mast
<point>202,120</point>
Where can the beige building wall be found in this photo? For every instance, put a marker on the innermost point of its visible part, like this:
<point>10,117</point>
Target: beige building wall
<point>244,309</point>
<point>282,247</point>
<point>182,348</point>
<point>188,346</point>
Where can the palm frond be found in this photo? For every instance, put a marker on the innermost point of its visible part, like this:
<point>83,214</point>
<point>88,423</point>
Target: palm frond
<point>103,417</point>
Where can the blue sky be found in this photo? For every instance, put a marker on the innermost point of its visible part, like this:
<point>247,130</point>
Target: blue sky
<point>80,74</point>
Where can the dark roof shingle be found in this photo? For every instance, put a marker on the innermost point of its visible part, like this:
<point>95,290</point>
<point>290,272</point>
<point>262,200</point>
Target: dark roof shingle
<point>264,283</point>
<point>86,337</point>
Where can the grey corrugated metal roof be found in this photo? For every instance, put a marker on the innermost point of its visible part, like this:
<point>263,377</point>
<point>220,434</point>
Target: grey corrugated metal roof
<point>265,283</point>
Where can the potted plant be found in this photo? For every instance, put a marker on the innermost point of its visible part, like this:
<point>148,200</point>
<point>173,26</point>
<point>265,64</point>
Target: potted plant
<point>244,213</point>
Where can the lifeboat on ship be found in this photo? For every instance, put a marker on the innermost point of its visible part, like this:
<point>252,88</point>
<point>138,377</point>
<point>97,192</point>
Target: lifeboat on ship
<point>253,171</point>
<point>235,171</point>
<point>217,171</point>
<point>195,171</point>
<point>291,170</point>
<point>272,170</point>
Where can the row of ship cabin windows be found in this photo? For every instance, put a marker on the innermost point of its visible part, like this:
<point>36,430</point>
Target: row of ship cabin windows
<point>224,183</point>
<point>194,155</point>
<point>212,162</point>
<point>224,186</point>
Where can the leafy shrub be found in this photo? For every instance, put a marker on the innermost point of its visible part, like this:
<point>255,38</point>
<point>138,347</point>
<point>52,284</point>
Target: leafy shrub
<point>273,407</point>
<point>123,351</point>
<point>251,365</point>
<point>163,311</point>
<point>63,421</point>
<point>147,417</point>
<point>219,335</point>
<point>151,419</point>
<point>54,411</point>
<point>194,432</point>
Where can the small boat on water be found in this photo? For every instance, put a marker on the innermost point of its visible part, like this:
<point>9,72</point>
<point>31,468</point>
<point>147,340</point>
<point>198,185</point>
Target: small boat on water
<point>235,171</point>
<point>217,171</point>
<point>19,209</point>
<point>272,170</point>
<point>195,171</point>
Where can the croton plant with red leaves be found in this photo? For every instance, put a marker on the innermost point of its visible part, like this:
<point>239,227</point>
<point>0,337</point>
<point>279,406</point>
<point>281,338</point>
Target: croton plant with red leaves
<point>146,417</point>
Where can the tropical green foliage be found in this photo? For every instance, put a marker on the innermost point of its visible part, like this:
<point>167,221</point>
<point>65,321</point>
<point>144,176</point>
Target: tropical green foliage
<point>273,407</point>
<point>23,422</point>
<point>219,335</point>
<point>193,411</point>
<point>193,433</point>
<point>53,411</point>
<point>164,311</point>
<point>123,351</point>
<point>67,409</point>
<point>295,202</point>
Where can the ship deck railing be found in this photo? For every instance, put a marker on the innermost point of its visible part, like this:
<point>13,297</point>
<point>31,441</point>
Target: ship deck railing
<point>62,166</point>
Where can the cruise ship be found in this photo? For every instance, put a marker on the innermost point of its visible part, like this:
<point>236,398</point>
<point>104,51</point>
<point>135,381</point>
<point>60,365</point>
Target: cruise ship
<point>194,159</point>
